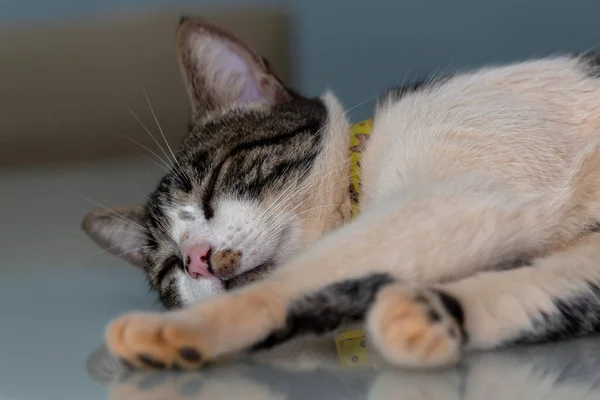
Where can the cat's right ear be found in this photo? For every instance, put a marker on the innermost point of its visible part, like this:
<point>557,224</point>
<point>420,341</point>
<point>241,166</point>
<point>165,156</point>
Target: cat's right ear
<point>220,71</point>
<point>120,231</point>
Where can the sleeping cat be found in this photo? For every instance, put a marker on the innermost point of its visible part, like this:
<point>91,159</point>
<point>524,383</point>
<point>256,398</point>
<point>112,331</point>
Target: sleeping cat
<point>480,205</point>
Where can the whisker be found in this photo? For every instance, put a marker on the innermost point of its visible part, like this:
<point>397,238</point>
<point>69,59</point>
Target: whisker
<point>133,250</point>
<point>119,230</point>
<point>166,164</point>
<point>150,133</point>
<point>108,249</point>
<point>277,209</point>
<point>162,133</point>
<point>263,217</point>
<point>307,184</point>
<point>316,208</point>
<point>360,103</point>
<point>155,163</point>
<point>69,236</point>
<point>105,250</point>
<point>275,229</point>
<point>272,231</point>
<point>116,214</point>
<point>307,199</point>
<point>275,202</point>
<point>312,196</point>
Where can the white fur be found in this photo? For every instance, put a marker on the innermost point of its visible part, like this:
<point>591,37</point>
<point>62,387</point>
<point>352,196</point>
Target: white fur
<point>196,290</point>
<point>239,225</point>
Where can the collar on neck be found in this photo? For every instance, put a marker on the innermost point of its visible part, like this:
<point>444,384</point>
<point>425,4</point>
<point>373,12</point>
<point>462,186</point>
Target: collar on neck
<point>358,138</point>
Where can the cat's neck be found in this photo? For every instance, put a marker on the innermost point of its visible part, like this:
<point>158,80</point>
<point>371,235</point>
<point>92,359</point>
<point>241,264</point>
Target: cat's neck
<point>337,196</point>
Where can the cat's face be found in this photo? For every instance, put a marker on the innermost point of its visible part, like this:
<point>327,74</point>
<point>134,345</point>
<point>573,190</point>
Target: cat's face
<point>261,173</point>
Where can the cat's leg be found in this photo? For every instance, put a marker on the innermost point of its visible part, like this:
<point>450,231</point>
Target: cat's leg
<point>426,236</point>
<point>556,297</point>
<point>181,338</point>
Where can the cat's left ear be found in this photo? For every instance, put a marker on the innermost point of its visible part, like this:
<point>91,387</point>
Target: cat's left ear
<point>120,231</point>
<point>221,71</point>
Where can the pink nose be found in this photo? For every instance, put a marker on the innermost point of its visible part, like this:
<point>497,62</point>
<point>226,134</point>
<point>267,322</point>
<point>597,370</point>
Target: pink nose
<point>197,261</point>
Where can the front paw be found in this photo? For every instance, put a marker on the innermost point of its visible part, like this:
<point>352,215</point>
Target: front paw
<point>416,328</point>
<point>157,341</point>
<point>188,338</point>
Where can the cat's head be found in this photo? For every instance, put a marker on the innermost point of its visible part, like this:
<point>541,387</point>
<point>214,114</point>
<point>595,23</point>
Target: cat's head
<point>262,172</point>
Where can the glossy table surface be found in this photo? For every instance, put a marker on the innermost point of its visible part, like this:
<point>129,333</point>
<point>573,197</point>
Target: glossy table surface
<point>58,291</point>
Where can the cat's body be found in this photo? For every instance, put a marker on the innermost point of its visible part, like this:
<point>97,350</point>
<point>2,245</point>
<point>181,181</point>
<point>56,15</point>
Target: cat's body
<point>480,197</point>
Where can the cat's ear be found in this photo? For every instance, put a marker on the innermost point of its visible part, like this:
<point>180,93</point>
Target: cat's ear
<point>120,231</point>
<point>221,71</point>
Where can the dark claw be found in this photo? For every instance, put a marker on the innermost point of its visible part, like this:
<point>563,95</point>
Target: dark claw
<point>434,316</point>
<point>151,362</point>
<point>190,354</point>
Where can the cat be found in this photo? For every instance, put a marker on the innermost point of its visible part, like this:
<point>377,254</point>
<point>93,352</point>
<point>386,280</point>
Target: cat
<point>478,228</point>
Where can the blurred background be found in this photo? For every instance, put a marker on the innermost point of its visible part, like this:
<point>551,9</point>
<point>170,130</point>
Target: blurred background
<point>67,67</point>
<point>69,71</point>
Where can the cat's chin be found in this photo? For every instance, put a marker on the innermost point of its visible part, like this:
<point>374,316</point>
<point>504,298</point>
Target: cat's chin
<point>252,275</point>
<point>191,291</point>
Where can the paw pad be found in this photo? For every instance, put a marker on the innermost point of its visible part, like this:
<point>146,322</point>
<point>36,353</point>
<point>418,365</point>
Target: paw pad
<point>414,328</point>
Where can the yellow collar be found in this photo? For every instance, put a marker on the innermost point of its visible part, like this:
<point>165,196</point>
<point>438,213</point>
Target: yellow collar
<point>358,138</point>
<point>351,345</point>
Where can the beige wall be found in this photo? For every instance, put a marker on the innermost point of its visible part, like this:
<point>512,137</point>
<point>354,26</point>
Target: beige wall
<point>63,88</point>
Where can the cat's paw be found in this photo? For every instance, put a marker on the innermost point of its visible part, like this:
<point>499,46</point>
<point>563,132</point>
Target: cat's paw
<point>157,341</point>
<point>188,338</point>
<point>416,328</point>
